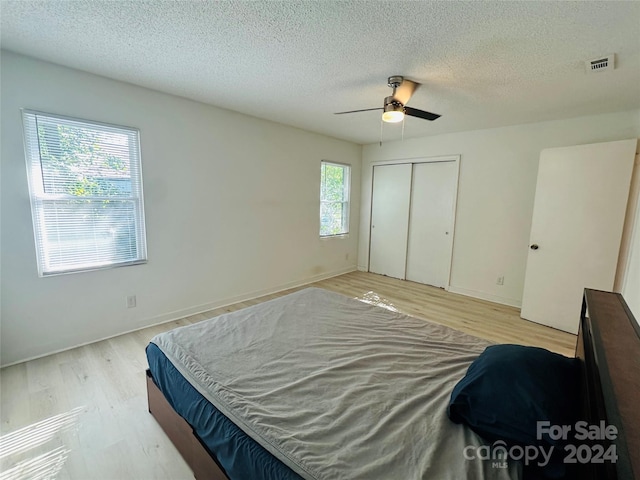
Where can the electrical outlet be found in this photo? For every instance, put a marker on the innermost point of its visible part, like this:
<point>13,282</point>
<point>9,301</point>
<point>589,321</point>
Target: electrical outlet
<point>131,301</point>
<point>500,280</point>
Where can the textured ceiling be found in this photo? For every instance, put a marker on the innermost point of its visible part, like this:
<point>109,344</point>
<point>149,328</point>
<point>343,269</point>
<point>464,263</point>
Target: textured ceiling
<point>481,64</point>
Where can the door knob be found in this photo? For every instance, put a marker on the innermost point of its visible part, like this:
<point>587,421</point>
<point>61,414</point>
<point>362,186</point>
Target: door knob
<point>534,246</point>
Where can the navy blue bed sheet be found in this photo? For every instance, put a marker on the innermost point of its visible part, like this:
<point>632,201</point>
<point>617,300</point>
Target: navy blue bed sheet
<point>241,457</point>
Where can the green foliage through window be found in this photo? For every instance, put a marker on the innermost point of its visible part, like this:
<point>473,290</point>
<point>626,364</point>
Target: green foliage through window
<point>334,199</point>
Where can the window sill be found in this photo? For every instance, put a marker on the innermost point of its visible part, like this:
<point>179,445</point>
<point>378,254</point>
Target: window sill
<point>329,237</point>
<point>56,273</point>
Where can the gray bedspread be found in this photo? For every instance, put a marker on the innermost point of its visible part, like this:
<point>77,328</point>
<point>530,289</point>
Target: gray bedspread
<point>336,388</point>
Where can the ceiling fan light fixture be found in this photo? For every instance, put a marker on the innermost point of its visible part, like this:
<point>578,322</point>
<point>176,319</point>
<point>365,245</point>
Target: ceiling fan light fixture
<point>393,113</point>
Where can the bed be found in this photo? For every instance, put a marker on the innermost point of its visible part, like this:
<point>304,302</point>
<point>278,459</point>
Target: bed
<point>316,385</point>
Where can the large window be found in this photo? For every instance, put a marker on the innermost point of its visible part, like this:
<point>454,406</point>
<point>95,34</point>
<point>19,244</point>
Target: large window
<point>334,199</point>
<point>85,184</point>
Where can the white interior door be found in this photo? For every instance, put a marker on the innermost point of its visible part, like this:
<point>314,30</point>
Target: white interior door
<point>578,216</point>
<point>390,219</point>
<point>431,223</point>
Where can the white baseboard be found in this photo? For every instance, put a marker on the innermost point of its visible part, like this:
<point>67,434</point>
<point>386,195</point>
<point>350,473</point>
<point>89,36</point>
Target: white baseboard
<point>177,314</point>
<point>485,296</point>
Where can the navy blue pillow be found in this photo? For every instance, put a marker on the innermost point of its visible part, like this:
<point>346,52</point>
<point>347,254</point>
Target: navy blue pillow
<point>509,388</point>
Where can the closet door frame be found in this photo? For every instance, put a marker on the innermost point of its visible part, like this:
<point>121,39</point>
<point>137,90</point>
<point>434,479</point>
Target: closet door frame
<point>414,160</point>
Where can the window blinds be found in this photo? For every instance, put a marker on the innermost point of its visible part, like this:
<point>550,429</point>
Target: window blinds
<point>85,184</point>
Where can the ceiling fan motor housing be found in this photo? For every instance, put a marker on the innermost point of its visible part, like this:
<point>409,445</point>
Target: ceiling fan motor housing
<point>391,104</point>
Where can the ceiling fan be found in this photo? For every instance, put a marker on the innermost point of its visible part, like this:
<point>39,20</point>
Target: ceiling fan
<point>394,108</point>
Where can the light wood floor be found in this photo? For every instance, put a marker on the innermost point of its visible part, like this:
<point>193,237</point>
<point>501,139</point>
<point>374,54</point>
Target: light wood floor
<point>83,413</point>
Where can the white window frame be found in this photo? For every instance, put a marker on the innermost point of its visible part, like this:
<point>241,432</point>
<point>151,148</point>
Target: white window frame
<point>346,199</point>
<point>39,196</point>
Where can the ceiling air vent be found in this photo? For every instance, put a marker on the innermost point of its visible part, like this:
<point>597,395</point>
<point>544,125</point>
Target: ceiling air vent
<point>601,64</point>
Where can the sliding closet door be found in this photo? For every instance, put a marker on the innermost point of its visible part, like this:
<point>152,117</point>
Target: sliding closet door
<point>431,223</point>
<point>390,219</point>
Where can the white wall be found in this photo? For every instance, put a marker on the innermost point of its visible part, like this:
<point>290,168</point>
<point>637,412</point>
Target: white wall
<point>498,171</point>
<point>631,282</point>
<point>231,201</point>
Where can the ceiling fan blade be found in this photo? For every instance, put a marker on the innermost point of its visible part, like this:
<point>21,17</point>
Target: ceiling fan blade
<point>405,90</point>
<point>414,112</point>
<point>355,111</point>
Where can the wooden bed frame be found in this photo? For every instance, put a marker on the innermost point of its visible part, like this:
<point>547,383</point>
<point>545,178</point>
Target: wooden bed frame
<point>609,347</point>
<point>203,462</point>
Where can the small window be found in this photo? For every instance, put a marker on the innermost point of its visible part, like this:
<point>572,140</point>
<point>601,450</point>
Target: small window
<point>334,199</point>
<point>85,184</point>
